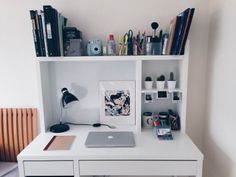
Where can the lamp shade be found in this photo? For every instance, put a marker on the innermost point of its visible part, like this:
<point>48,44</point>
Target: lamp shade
<point>67,97</point>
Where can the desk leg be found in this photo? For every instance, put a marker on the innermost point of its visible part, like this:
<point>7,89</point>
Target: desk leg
<point>76,168</point>
<point>21,168</point>
<point>199,170</point>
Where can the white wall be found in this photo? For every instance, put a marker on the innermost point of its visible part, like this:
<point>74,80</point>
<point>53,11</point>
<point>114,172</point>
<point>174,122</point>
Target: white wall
<point>17,69</point>
<point>220,131</point>
<point>96,19</point>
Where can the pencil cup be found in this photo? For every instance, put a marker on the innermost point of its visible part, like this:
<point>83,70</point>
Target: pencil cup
<point>147,120</point>
<point>156,48</point>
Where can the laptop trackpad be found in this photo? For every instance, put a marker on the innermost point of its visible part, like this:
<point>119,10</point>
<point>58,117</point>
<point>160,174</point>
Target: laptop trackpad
<point>110,139</point>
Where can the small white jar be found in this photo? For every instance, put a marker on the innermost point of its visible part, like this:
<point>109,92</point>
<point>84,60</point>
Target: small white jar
<point>148,84</point>
<point>160,85</point>
<point>171,85</point>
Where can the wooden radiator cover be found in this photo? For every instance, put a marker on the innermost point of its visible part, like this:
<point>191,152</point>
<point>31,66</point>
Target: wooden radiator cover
<point>18,127</point>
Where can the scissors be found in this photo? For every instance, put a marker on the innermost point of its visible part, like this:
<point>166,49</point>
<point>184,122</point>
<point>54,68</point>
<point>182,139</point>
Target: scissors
<point>128,37</point>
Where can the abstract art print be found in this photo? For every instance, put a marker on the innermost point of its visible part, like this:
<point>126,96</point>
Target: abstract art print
<point>117,102</point>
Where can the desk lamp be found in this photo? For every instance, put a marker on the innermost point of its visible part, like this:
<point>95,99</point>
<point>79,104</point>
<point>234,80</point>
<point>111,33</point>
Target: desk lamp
<point>66,99</point>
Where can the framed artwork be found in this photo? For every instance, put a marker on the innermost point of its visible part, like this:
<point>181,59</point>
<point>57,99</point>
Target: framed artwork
<point>176,97</point>
<point>117,102</point>
<point>162,95</point>
<point>148,97</point>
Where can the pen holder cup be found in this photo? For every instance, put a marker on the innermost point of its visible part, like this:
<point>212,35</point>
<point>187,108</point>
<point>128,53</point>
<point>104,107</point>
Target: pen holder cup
<point>147,120</point>
<point>156,48</point>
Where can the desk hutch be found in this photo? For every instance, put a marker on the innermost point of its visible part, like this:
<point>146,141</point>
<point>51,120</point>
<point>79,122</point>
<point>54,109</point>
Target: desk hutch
<point>151,156</point>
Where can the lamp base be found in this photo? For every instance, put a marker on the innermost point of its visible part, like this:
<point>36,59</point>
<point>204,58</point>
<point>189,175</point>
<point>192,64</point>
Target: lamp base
<point>59,128</point>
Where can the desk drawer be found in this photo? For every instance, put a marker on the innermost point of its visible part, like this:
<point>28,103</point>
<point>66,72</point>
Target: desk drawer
<point>138,168</point>
<point>47,168</point>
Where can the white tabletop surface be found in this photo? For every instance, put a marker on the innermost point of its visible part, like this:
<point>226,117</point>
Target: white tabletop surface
<point>148,147</point>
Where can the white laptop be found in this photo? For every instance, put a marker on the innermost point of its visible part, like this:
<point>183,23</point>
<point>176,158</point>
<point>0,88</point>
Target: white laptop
<point>110,139</point>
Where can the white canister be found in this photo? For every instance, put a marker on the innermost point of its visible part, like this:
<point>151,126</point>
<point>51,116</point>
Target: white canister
<point>148,120</point>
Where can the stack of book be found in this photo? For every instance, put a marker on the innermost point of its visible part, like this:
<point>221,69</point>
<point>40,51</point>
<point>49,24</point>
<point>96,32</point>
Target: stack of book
<point>178,34</point>
<point>48,27</point>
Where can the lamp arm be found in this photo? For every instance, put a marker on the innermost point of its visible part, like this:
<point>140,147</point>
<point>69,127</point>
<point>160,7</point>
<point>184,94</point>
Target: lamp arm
<point>61,107</point>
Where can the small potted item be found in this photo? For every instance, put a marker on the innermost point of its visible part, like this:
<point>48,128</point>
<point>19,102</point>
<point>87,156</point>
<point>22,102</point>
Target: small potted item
<point>171,82</point>
<point>160,82</point>
<point>148,83</point>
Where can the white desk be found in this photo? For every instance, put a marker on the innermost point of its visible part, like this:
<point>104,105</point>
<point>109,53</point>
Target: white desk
<point>151,156</point>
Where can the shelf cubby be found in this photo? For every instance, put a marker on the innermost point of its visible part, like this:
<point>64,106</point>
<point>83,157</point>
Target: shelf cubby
<point>82,75</point>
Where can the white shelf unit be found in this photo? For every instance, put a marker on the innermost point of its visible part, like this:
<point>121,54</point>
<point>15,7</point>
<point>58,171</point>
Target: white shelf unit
<point>82,74</point>
<point>112,58</point>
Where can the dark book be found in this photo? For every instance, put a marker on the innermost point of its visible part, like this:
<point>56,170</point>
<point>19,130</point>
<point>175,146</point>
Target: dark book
<point>61,25</point>
<point>52,32</point>
<point>186,31</point>
<point>36,42</point>
<point>171,35</point>
<point>38,33</point>
<point>184,16</point>
<point>44,31</point>
<point>41,36</point>
<point>176,34</point>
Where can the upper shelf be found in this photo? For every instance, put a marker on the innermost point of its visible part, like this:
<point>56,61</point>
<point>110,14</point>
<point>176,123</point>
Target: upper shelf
<point>112,58</point>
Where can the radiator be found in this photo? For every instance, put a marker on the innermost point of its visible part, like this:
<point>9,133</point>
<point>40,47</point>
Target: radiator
<point>18,127</point>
